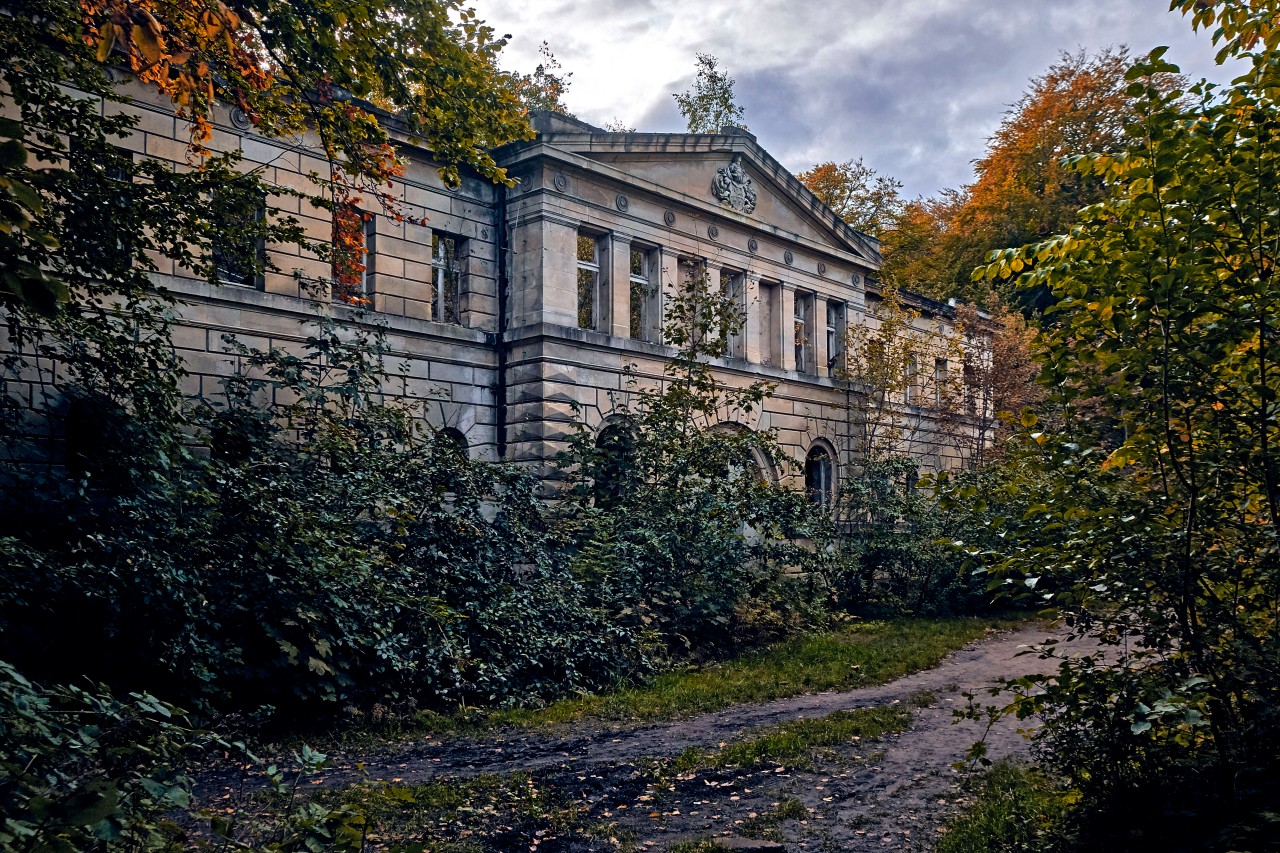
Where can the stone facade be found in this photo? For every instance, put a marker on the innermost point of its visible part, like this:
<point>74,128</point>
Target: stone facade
<point>515,311</point>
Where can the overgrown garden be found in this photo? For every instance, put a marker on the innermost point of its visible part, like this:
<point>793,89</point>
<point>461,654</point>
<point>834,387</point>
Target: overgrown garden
<point>277,564</point>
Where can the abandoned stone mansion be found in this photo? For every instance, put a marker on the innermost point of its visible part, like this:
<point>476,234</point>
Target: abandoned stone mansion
<point>515,311</point>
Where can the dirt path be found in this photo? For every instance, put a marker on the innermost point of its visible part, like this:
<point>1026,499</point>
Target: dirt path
<point>890,795</point>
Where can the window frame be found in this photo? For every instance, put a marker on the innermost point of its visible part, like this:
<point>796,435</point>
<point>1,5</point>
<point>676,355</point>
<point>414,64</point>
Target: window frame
<point>592,266</point>
<point>802,324</point>
<point>836,314</point>
<point>639,310</point>
<point>259,253</point>
<point>446,277</point>
<point>911,391</point>
<point>820,460</point>
<point>733,284</point>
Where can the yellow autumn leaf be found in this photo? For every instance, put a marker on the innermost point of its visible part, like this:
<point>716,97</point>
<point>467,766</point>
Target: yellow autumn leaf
<point>147,43</point>
<point>108,40</point>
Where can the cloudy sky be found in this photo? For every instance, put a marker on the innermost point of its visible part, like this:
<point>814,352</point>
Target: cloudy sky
<point>914,86</point>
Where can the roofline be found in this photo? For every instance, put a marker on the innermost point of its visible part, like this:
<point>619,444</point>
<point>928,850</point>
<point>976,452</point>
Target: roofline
<point>729,140</point>
<point>540,149</point>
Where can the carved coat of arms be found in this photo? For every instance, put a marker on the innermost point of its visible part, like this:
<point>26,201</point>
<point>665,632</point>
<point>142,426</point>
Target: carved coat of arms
<point>732,186</point>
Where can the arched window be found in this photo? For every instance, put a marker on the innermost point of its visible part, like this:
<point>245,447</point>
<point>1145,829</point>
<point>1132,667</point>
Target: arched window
<point>753,462</point>
<point>453,439</point>
<point>614,464</point>
<point>818,479</point>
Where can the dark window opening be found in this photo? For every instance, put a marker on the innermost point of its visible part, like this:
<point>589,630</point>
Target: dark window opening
<point>446,279</point>
<point>819,477</point>
<point>237,249</point>
<point>641,290</point>
<point>588,280</point>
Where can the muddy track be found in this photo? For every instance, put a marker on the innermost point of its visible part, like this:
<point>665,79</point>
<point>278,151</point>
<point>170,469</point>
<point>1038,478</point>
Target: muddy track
<point>974,667</point>
<point>889,795</point>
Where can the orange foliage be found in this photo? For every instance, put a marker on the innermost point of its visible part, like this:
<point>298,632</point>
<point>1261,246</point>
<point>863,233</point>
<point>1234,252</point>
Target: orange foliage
<point>182,46</point>
<point>177,47</point>
<point>1023,190</point>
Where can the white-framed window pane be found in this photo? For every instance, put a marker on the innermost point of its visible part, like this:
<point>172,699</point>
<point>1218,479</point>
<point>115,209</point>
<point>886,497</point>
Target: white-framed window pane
<point>639,292</point>
<point>835,332</point>
<point>802,331</point>
<point>446,281</point>
<point>588,280</point>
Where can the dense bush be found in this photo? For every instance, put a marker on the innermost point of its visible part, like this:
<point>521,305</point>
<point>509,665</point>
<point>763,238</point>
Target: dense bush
<point>243,553</point>
<point>83,769</point>
<point>1147,512</point>
<point>899,543</point>
<point>676,522</point>
<point>335,548</point>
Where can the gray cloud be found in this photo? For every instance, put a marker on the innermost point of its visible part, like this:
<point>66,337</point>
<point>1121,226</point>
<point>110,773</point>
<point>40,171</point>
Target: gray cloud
<point>914,87</point>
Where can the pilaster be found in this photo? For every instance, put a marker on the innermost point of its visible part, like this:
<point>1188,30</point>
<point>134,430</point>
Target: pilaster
<point>544,271</point>
<point>752,328</point>
<point>616,312</point>
<point>787,326</point>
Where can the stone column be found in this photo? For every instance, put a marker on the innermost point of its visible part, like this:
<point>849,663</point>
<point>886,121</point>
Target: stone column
<point>615,313</point>
<point>787,326</point>
<point>819,343</point>
<point>666,277</point>
<point>711,270</point>
<point>544,271</point>
<point>752,331</point>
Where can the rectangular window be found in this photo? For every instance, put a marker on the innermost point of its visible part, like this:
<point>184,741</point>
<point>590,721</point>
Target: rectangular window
<point>732,287</point>
<point>691,302</point>
<point>972,388</point>
<point>940,370</point>
<point>835,334</point>
<point>641,290</point>
<point>348,266</point>
<point>98,216</point>
<point>804,332</point>
<point>367,271</point>
<point>238,251</point>
<point>446,279</point>
<point>588,279</point>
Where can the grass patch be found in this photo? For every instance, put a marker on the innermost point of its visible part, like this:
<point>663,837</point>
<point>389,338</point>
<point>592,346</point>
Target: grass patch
<point>794,743</point>
<point>1016,808</point>
<point>702,845</point>
<point>489,812</point>
<point>765,825</point>
<point>859,655</point>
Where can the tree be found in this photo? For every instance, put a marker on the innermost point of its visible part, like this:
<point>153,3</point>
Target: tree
<point>913,400</point>
<point>891,364</point>
<point>291,68</point>
<point>617,125</point>
<point>675,516</point>
<point>1164,543</point>
<point>1022,189</point>
<point>709,105</point>
<point>545,88</point>
<point>868,201</point>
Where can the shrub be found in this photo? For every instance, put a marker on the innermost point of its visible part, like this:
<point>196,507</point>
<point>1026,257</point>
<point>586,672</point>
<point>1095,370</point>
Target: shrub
<point>335,549</point>
<point>84,770</point>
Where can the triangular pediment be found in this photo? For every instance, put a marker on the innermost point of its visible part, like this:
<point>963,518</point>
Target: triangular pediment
<point>729,172</point>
